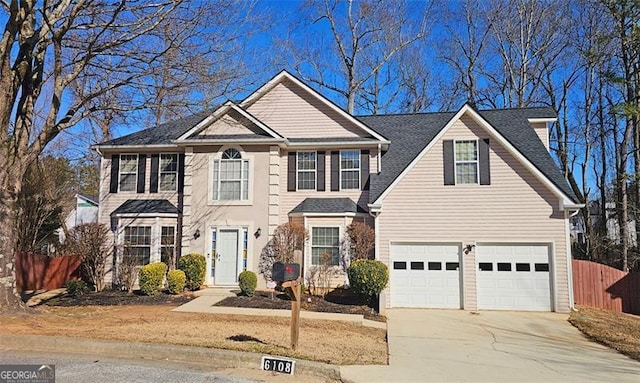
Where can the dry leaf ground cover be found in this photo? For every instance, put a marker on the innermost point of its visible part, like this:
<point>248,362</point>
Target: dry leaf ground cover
<point>616,330</point>
<point>325,341</point>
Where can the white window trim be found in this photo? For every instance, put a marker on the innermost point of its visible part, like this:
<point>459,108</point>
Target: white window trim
<point>160,172</point>
<point>456,162</point>
<point>217,157</point>
<point>340,232</point>
<point>359,168</point>
<point>135,188</point>
<point>314,171</point>
<point>122,240</point>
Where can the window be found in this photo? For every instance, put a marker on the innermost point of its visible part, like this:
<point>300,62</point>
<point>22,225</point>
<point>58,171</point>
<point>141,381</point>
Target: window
<point>325,246</point>
<point>245,243</point>
<point>523,267</point>
<point>541,267</point>
<point>466,160</point>
<point>167,244</point>
<point>503,266</point>
<point>137,244</point>
<point>435,265</point>
<point>168,172</point>
<point>486,266</point>
<point>128,172</point>
<point>350,169</point>
<point>399,265</point>
<point>213,252</point>
<point>306,170</point>
<point>451,266</point>
<point>417,265</point>
<point>231,177</point>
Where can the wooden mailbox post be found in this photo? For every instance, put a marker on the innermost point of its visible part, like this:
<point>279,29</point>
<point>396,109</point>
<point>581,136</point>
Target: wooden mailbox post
<point>296,288</point>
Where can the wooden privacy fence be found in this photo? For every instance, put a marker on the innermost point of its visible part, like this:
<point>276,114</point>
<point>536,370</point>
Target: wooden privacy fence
<point>605,287</point>
<point>36,272</point>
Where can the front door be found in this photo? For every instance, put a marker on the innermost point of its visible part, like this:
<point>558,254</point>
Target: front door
<point>226,270</point>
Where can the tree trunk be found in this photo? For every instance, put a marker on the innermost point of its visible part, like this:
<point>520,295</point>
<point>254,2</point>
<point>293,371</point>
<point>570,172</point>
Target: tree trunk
<point>9,298</point>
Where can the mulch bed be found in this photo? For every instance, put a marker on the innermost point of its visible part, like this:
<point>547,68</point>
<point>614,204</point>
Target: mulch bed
<point>119,298</point>
<point>337,301</point>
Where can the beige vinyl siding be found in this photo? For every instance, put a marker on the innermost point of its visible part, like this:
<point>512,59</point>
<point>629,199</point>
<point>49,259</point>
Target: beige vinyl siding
<point>292,112</point>
<point>516,207</point>
<point>111,201</point>
<point>541,130</point>
<point>231,123</point>
<point>289,200</point>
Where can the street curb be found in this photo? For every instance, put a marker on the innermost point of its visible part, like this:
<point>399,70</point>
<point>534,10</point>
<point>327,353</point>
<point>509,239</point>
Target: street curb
<point>215,358</point>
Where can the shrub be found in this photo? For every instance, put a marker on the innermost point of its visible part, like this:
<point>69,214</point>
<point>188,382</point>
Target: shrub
<point>362,240</point>
<point>248,282</point>
<point>194,266</point>
<point>368,278</point>
<point>150,277</point>
<point>176,280</point>
<point>75,287</point>
<point>127,271</point>
<point>287,238</point>
<point>90,242</point>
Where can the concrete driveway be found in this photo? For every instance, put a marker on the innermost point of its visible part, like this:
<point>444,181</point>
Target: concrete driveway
<point>455,345</point>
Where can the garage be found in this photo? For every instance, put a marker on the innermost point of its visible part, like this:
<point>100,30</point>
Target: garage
<point>425,275</point>
<point>514,277</point>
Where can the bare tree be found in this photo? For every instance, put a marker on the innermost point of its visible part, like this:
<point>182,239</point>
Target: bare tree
<point>364,38</point>
<point>58,60</point>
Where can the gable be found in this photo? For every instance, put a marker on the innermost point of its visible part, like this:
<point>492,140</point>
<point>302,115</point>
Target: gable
<point>231,124</point>
<point>508,128</point>
<point>295,113</point>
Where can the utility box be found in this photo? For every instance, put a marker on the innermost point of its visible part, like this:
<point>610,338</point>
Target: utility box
<point>283,272</point>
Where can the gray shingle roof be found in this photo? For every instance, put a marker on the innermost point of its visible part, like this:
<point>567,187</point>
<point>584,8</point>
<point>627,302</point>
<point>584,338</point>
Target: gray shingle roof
<point>139,206</point>
<point>161,134</point>
<point>410,133</point>
<point>328,205</point>
<point>332,139</point>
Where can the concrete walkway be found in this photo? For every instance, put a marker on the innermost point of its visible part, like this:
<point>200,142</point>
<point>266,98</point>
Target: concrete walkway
<point>207,298</point>
<point>459,346</point>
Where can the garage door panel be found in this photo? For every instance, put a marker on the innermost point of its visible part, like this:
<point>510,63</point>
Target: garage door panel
<point>507,278</point>
<point>425,281</point>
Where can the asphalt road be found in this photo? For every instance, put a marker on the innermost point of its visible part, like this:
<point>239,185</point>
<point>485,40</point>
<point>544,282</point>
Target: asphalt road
<point>82,369</point>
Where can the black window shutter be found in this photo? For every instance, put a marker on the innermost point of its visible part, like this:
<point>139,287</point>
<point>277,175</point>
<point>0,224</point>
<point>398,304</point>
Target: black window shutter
<point>291,171</point>
<point>142,166</point>
<point>115,170</point>
<point>181,166</point>
<point>320,160</point>
<point>364,169</point>
<point>483,156</point>
<point>335,171</point>
<point>449,165</point>
<point>155,165</point>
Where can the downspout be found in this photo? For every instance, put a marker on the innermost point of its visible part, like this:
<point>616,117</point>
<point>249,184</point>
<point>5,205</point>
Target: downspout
<point>569,257</point>
<point>379,155</point>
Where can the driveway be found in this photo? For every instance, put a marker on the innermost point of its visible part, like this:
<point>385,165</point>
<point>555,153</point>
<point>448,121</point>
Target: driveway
<point>492,346</point>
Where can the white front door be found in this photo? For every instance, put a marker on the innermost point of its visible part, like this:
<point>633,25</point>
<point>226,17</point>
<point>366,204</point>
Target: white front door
<point>226,266</point>
<point>513,277</point>
<point>425,275</point>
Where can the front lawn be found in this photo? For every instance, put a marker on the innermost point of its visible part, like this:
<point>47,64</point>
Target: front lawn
<point>336,301</point>
<point>616,330</point>
<point>324,341</point>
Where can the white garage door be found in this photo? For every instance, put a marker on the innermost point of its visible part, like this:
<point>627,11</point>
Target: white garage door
<point>425,276</point>
<point>513,277</point>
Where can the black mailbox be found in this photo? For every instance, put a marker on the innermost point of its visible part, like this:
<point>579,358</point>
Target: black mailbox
<point>283,272</point>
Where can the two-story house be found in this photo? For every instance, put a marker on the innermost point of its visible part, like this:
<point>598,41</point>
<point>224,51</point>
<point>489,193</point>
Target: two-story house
<point>468,207</point>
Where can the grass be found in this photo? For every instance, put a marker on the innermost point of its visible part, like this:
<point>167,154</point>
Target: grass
<point>616,330</point>
<point>332,342</point>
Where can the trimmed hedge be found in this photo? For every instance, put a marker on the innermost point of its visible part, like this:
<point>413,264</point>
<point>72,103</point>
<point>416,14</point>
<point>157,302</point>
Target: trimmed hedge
<point>368,278</point>
<point>248,282</point>
<point>75,287</point>
<point>194,266</point>
<point>150,277</point>
<point>176,280</point>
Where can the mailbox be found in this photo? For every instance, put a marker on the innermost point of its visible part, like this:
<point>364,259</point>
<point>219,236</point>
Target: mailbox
<point>283,272</point>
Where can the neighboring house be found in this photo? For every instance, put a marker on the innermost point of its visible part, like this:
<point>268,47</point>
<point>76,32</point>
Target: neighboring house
<point>469,209</point>
<point>578,229</point>
<point>85,211</point>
